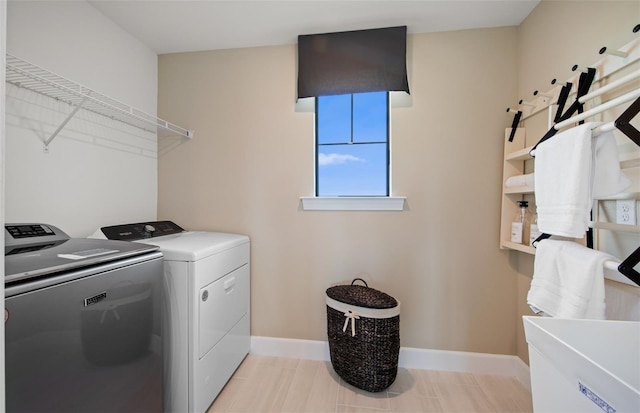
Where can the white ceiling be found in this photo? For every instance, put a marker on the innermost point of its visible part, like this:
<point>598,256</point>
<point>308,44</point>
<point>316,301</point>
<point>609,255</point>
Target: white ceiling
<point>169,26</point>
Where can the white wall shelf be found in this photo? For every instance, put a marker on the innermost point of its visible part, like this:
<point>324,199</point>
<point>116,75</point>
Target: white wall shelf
<point>518,190</point>
<point>519,155</point>
<point>518,247</point>
<point>29,76</point>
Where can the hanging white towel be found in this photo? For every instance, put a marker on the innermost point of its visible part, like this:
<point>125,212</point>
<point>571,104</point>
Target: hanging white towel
<point>572,168</point>
<point>563,182</point>
<point>568,281</point>
<point>608,179</point>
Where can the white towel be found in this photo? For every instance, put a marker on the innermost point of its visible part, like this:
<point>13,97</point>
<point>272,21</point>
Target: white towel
<point>563,182</point>
<point>572,168</point>
<point>568,281</point>
<point>608,179</point>
<point>520,180</point>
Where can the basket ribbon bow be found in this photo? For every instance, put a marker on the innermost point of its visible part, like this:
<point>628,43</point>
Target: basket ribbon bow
<point>350,315</point>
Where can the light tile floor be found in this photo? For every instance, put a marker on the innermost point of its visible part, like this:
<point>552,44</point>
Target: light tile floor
<point>273,384</point>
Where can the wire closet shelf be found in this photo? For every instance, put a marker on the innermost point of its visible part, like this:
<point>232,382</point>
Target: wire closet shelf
<point>29,76</point>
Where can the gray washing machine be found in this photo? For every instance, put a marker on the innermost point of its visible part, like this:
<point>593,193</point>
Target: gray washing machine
<point>83,323</point>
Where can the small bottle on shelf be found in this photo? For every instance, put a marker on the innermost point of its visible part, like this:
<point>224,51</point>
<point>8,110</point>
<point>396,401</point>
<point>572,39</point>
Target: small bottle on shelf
<point>534,233</point>
<point>520,226</point>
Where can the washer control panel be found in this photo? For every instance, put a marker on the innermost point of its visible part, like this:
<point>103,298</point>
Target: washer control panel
<point>141,230</point>
<point>29,233</point>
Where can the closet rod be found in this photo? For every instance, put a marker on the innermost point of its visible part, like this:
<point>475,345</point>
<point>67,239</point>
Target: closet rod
<point>607,127</point>
<point>611,86</point>
<point>598,109</point>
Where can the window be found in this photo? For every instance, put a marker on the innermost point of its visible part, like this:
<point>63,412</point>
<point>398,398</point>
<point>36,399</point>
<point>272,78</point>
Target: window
<point>352,145</point>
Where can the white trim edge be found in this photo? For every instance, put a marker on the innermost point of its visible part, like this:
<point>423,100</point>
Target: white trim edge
<point>467,362</point>
<point>353,203</point>
<point>412,358</point>
<point>290,348</point>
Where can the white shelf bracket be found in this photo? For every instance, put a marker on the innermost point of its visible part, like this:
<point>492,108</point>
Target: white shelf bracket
<point>63,124</point>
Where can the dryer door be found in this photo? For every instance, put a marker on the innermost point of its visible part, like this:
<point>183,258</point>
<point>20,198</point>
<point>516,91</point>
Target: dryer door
<point>222,305</point>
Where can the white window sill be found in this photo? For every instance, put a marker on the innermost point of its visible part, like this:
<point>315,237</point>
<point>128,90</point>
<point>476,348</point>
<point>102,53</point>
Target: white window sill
<point>326,203</point>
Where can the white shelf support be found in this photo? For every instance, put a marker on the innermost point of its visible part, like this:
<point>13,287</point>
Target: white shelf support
<point>63,124</point>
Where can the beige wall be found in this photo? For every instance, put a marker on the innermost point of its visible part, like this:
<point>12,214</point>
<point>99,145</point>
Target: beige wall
<point>252,158</point>
<point>554,37</point>
<point>558,34</point>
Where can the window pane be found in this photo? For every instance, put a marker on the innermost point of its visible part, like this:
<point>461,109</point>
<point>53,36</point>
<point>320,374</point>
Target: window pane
<point>334,119</point>
<point>370,117</point>
<point>352,170</point>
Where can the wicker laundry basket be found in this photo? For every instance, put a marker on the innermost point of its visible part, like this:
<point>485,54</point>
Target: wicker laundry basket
<point>363,327</point>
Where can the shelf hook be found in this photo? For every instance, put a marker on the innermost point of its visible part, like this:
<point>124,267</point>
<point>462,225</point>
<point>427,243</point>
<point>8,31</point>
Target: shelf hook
<point>618,53</point>
<point>523,103</point>
<point>537,93</point>
<point>580,69</point>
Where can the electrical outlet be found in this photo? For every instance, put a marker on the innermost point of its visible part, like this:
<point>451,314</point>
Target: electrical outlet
<point>626,212</point>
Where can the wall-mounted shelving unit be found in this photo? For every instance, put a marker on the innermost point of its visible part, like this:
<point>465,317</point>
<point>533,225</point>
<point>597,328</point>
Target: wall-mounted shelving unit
<point>29,76</point>
<point>515,156</point>
<point>517,159</point>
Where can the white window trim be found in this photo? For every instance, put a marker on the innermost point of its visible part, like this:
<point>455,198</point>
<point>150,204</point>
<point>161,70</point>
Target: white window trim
<point>356,203</point>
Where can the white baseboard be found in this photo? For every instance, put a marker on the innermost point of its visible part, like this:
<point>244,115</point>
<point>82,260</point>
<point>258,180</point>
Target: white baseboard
<point>412,358</point>
<point>522,373</point>
<point>290,347</point>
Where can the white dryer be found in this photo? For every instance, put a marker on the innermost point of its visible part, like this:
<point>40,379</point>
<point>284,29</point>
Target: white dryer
<point>207,283</point>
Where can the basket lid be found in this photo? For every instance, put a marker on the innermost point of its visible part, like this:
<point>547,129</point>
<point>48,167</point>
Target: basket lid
<point>362,296</point>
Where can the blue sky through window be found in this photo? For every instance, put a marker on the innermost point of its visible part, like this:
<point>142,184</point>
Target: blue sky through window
<point>352,139</point>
